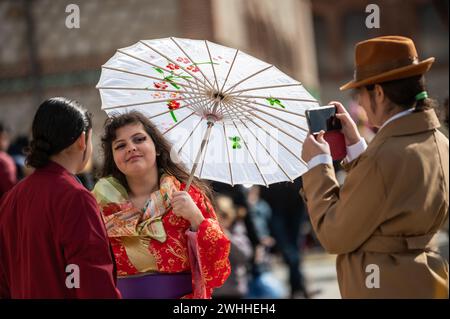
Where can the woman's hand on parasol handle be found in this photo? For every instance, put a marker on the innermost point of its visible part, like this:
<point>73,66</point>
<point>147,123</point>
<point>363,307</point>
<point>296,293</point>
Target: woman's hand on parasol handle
<point>184,207</point>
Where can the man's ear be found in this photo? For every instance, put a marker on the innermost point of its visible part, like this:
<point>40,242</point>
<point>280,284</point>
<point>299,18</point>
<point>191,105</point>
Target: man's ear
<point>81,141</point>
<point>379,94</point>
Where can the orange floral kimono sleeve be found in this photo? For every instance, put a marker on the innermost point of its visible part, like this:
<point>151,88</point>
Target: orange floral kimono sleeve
<point>211,248</point>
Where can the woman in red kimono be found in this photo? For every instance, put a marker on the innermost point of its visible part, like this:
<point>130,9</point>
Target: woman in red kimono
<point>53,242</point>
<point>167,242</point>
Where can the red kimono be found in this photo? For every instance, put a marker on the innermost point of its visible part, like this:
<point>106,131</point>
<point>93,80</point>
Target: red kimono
<point>48,222</point>
<point>165,244</point>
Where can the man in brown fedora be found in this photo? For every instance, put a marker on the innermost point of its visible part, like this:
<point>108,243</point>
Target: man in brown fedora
<point>396,195</point>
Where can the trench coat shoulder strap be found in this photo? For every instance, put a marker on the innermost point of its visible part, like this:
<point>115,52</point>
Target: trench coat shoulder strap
<point>397,244</point>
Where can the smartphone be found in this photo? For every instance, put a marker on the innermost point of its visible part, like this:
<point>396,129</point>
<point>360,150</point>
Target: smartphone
<point>324,118</point>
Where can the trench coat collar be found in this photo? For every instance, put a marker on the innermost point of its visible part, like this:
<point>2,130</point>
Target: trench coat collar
<point>410,124</point>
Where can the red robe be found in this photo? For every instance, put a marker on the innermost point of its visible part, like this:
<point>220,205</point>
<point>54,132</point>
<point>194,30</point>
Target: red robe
<point>47,222</point>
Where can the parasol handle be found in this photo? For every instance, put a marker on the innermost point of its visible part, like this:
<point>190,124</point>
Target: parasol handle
<point>199,154</point>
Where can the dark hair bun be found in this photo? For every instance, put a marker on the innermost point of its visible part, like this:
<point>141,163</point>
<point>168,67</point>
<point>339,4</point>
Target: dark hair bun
<point>38,153</point>
<point>57,124</point>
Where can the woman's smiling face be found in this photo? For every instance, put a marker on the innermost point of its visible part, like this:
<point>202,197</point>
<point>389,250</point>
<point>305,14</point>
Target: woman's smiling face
<point>133,150</point>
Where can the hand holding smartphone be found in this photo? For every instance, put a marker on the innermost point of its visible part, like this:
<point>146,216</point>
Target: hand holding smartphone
<point>324,119</point>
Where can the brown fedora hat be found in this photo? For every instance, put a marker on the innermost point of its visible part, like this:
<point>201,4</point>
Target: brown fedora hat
<point>384,59</point>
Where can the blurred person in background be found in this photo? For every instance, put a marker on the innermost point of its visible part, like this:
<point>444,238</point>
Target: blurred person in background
<point>443,116</point>
<point>288,213</point>
<point>17,151</point>
<point>261,214</point>
<point>8,170</point>
<point>263,284</point>
<point>238,194</point>
<point>236,286</point>
<point>395,198</point>
<point>53,243</point>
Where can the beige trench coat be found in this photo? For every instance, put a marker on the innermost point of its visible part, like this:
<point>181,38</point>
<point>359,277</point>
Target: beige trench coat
<point>380,222</point>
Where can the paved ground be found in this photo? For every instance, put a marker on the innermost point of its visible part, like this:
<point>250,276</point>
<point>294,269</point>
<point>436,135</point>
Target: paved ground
<point>320,273</point>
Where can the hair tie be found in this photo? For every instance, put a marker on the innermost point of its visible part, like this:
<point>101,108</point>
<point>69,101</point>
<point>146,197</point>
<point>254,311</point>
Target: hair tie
<point>421,96</point>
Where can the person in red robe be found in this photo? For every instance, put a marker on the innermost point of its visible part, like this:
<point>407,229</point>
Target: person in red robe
<point>8,177</point>
<point>53,242</point>
<point>167,241</point>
